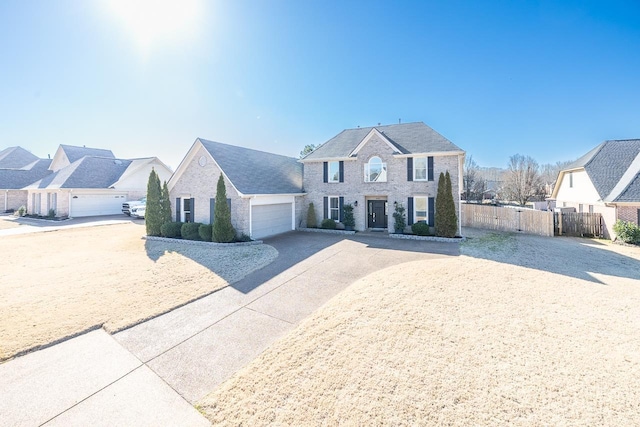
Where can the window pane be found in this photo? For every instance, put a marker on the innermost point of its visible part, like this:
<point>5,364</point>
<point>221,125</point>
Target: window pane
<point>420,203</point>
<point>334,202</point>
<point>334,171</point>
<point>420,168</point>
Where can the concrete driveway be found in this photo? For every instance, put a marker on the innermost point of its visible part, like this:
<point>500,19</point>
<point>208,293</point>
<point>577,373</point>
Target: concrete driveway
<point>153,373</point>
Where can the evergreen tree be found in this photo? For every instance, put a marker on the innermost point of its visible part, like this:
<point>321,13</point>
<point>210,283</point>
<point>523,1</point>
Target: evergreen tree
<point>223,231</point>
<point>446,221</point>
<point>153,214</point>
<point>165,204</point>
<point>312,222</point>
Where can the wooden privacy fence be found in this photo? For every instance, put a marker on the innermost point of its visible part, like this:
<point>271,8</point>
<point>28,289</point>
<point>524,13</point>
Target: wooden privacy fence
<point>527,221</point>
<point>578,224</point>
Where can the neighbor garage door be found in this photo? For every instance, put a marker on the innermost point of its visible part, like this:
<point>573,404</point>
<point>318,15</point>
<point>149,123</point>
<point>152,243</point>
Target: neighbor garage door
<point>267,220</point>
<point>96,204</point>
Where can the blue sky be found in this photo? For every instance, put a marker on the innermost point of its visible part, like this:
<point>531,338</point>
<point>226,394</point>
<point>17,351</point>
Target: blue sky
<point>547,79</point>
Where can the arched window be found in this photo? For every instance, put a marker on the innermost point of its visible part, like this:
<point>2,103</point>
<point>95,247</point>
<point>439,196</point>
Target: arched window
<point>375,170</point>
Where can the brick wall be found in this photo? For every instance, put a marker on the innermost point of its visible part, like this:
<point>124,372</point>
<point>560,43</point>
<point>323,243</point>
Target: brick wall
<point>14,199</point>
<point>629,213</point>
<point>199,182</point>
<point>354,188</point>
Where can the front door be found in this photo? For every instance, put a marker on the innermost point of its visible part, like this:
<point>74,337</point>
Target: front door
<point>377,214</point>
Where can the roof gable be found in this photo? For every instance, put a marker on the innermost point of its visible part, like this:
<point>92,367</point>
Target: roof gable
<point>407,138</point>
<point>13,179</point>
<point>87,172</point>
<point>67,154</point>
<point>16,158</point>
<point>608,165</point>
<point>371,134</point>
<point>256,172</point>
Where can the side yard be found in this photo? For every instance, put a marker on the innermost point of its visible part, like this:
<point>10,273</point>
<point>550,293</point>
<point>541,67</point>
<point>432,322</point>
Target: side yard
<point>519,330</point>
<point>57,284</point>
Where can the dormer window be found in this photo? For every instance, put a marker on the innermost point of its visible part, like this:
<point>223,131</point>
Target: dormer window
<point>375,170</point>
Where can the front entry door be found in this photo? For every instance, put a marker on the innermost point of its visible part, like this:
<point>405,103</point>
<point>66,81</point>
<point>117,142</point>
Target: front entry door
<point>377,214</point>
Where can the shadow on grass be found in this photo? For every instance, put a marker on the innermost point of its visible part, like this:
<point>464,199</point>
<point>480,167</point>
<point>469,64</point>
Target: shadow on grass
<point>567,256</point>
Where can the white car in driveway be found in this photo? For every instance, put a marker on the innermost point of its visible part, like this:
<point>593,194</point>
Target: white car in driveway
<point>128,207</point>
<point>138,211</point>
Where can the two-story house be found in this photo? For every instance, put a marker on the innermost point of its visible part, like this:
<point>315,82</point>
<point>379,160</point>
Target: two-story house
<point>376,168</point>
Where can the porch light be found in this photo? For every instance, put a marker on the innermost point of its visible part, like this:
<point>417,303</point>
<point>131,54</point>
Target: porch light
<point>355,203</point>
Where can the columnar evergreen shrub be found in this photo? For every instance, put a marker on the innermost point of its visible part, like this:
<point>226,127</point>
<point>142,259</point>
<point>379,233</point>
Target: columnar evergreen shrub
<point>446,220</point>
<point>399,217</point>
<point>153,214</point>
<point>171,229</point>
<point>348,220</point>
<point>206,232</point>
<point>223,231</point>
<point>190,231</point>
<point>312,221</point>
<point>165,204</point>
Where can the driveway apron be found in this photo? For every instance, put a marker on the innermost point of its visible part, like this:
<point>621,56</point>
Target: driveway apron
<point>151,373</point>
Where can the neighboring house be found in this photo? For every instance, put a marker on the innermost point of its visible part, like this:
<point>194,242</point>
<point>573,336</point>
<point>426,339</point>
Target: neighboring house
<point>606,180</point>
<point>19,168</point>
<point>264,190</point>
<point>91,182</point>
<point>376,168</point>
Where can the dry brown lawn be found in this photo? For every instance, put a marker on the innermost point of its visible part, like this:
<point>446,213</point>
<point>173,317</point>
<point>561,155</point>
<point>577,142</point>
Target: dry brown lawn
<point>57,284</point>
<point>7,223</point>
<point>519,330</point>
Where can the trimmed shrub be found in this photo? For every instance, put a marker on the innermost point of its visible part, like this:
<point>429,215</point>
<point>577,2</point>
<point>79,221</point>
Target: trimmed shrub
<point>348,219</point>
<point>328,224</point>
<point>400,220</point>
<point>206,232</point>
<point>421,228</point>
<point>190,231</point>
<point>22,211</point>
<point>171,229</point>
<point>51,214</point>
<point>223,231</point>
<point>153,215</point>
<point>627,231</point>
<point>312,222</point>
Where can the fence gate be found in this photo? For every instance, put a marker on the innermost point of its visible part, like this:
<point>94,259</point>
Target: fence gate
<point>577,224</point>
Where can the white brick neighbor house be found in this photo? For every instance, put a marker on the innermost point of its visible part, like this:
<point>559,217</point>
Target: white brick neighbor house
<point>91,181</point>
<point>606,180</point>
<point>371,168</point>
<point>19,168</point>
<point>376,168</point>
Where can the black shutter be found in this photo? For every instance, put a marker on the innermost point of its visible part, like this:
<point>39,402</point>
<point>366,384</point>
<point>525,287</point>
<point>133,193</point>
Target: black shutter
<point>178,209</point>
<point>341,171</point>
<point>409,168</point>
<point>430,168</point>
<point>212,210</point>
<point>431,212</point>
<point>325,172</point>
<point>341,206</point>
<point>193,210</point>
<point>326,207</point>
<point>410,211</point>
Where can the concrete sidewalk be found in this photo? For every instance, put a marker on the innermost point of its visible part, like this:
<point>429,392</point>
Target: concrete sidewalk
<point>151,373</point>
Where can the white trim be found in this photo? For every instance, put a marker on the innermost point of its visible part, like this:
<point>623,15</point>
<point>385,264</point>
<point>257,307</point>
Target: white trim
<point>249,196</point>
<point>329,207</point>
<point>329,180</point>
<point>426,169</point>
<point>431,154</point>
<point>329,159</point>
<point>146,161</point>
<point>371,134</point>
<point>426,210</point>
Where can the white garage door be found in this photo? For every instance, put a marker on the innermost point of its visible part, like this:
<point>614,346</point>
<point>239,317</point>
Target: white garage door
<point>267,220</point>
<point>96,204</point>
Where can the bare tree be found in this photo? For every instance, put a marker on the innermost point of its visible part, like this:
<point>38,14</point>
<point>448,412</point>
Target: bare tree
<point>549,174</point>
<point>522,179</point>
<point>469,177</point>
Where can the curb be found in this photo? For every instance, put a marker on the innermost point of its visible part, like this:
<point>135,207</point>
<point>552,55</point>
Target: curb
<point>428,238</point>
<point>325,230</point>
<point>201,243</point>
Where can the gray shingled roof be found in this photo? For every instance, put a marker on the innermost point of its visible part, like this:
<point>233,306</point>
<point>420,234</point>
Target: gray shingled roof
<point>409,138</point>
<point>12,179</point>
<point>16,158</point>
<point>256,172</point>
<point>609,162</point>
<point>632,192</point>
<point>75,153</point>
<point>88,172</point>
